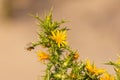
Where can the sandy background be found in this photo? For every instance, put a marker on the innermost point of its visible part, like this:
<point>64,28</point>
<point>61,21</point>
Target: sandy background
<point>95,33</point>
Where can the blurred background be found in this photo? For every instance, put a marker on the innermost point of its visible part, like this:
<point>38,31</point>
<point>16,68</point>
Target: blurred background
<point>95,33</point>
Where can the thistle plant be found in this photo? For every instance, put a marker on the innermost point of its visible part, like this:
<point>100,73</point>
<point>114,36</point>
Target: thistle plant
<point>61,60</point>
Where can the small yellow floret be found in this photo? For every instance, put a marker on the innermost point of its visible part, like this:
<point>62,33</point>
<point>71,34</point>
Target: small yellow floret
<point>92,68</point>
<point>60,37</point>
<point>76,56</point>
<point>42,55</point>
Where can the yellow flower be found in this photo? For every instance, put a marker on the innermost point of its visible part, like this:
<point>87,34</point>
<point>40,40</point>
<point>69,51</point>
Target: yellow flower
<point>73,76</point>
<point>92,68</point>
<point>42,55</point>
<point>107,76</point>
<point>59,37</point>
<point>76,56</point>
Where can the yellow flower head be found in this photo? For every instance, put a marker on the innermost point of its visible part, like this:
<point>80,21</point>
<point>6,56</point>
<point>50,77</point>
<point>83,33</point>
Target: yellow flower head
<point>73,76</point>
<point>107,76</point>
<point>92,68</point>
<point>59,37</point>
<point>42,55</point>
<point>76,56</point>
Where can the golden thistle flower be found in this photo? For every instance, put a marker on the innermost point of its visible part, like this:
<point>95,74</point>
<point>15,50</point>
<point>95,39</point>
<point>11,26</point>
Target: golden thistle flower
<point>42,55</point>
<point>92,68</point>
<point>73,76</point>
<point>76,56</point>
<point>107,76</point>
<point>60,37</point>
